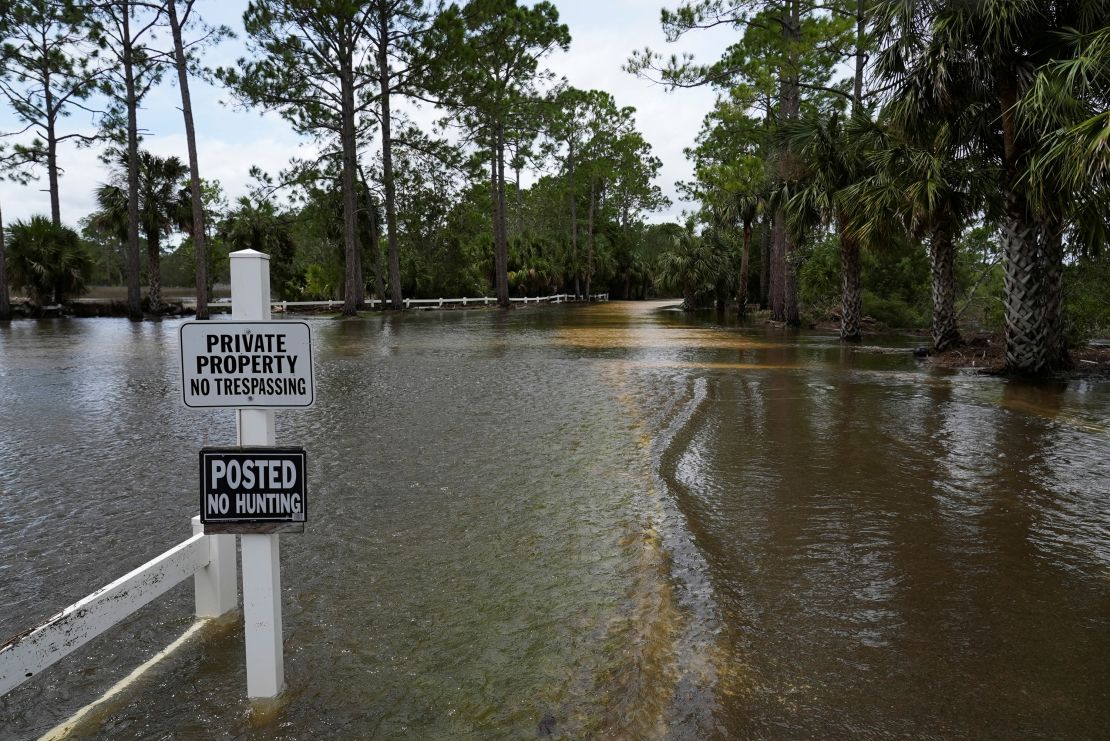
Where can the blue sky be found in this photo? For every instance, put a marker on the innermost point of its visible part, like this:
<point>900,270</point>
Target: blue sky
<point>230,140</point>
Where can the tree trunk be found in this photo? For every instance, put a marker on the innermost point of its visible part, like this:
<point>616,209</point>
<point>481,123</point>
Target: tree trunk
<point>861,56</point>
<point>352,283</point>
<point>200,246</point>
<point>395,296</point>
<point>134,297</point>
<point>590,239</point>
<point>791,106</point>
<point>778,267</point>
<point>519,207</point>
<point>5,298</point>
<point>1052,253</point>
<point>502,232</point>
<point>154,270</point>
<point>573,215</point>
<point>851,302</point>
<point>1022,267</point>
<point>742,292</point>
<point>52,152</point>
<point>375,239</point>
<point>1025,335</point>
<point>765,263</point>
<point>942,249</point>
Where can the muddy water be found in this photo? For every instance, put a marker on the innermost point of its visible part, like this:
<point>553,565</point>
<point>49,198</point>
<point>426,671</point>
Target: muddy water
<point>634,522</point>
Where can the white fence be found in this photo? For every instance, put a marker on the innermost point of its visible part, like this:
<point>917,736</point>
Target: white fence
<point>210,559</point>
<point>434,303</point>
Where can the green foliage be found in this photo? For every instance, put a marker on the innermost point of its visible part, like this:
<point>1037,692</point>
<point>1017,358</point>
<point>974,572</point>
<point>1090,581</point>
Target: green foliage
<point>50,262</point>
<point>1087,309</point>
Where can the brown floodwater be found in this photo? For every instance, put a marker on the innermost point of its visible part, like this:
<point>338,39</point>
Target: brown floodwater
<point>635,522</point>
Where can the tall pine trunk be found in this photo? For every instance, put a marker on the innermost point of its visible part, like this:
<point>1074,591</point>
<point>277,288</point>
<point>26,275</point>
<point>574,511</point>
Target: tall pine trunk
<point>388,182</point>
<point>502,222</point>
<point>778,267</point>
<point>791,107</point>
<point>5,298</point>
<point>51,148</point>
<point>765,263</point>
<point>573,217</point>
<point>352,283</point>
<point>134,297</point>
<point>200,245</point>
<point>375,239</point>
<point>590,239</point>
<point>742,292</point>
<point>942,251</point>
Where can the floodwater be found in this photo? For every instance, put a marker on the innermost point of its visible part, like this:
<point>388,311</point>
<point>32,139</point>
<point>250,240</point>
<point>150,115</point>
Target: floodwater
<point>611,520</point>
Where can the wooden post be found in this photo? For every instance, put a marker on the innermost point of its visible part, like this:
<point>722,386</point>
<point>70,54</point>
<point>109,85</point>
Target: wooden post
<point>250,301</point>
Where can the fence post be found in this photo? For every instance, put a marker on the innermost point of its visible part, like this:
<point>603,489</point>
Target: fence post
<point>250,301</point>
<point>214,587</point>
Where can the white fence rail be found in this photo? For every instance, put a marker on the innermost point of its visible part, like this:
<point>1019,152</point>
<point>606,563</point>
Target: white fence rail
<point>438,303</point>
<point>210,559</point>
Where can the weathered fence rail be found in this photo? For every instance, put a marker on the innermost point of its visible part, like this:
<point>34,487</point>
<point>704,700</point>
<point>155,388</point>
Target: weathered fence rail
<point>210,559</point>
<point>439,303</point>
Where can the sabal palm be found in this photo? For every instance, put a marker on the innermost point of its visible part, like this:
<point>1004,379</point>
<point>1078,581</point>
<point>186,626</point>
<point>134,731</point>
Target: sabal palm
<point>739,196</point>
<point>925,184</point>
<point>691,267</point>
<point>832,152</point>
<point>947,55</point>
<point>163,207</point>
<point>47,260</point>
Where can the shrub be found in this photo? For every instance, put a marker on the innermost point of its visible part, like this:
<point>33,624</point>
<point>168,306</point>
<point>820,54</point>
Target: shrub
<point>48,261</point>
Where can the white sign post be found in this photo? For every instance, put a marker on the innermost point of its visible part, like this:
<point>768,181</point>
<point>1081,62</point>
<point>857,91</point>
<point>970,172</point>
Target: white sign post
<point>250,301</point>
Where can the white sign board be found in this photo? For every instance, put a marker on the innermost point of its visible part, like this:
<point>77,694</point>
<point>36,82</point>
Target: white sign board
<point>246,365</point>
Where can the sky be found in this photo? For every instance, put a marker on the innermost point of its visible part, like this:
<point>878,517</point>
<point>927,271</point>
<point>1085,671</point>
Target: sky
<point>231,140</point>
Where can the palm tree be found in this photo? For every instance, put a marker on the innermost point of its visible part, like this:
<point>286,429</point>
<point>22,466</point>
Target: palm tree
<point>922,182</point>
<point>692,267</point>
<point>738,195</point>
<point>832,157</point>
<point>259,226</point>
<point>47,260</point>
<point>163,208</point>
<point>948,55</point>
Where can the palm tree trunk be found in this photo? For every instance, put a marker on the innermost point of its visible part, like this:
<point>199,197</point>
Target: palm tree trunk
<point>851,302</point>
<point>946,332</point>
<point>1022,267</point>
<point>5,298</point>
<point>1052,249</point>
<point>134,297</point>
<point>388,182</point>
<point>200,246</point>
<point>742,293</point>
<point>154,270</point>
<point>1024,304</point>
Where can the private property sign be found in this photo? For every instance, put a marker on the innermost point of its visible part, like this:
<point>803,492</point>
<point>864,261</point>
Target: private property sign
<point>252,485</point>
<point>247,365</point>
